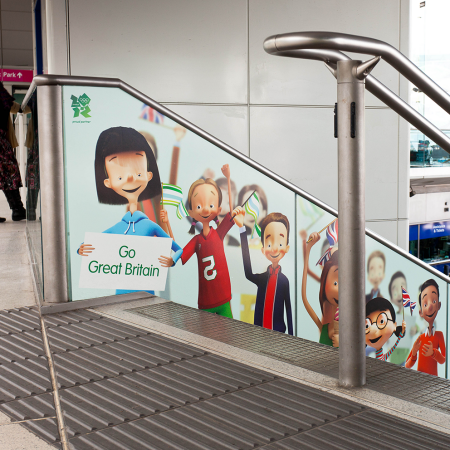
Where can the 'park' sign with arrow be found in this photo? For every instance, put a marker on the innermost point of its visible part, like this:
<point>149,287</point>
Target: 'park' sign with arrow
<point>17,75</point>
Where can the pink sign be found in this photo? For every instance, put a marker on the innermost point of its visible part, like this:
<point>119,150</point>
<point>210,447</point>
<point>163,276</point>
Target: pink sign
<point>17,75</point>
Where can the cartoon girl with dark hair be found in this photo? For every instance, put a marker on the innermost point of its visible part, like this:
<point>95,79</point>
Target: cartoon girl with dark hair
<point>126,172</point>
<point>328,294</point>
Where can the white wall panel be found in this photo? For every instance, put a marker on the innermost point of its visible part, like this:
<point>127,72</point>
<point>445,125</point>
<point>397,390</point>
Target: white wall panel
<point>56,23</point>
<point>17,20</point>
<point>404,127</point>
<point>298,144</point>
<point>403,234</point>
<point>418,208</point>
<point>381,164</point>
<point>16,5</point>
<point>429,207</point>
<point>204,56</point>
<point>387,229</point>
<point>290,81</point>
<point>178,51</point>
<point>436,203</point>
<point>227,123</point>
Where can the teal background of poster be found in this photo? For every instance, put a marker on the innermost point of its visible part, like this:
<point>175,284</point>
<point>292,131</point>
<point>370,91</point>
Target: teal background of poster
<point>311,218</point>
<point>111,107</point>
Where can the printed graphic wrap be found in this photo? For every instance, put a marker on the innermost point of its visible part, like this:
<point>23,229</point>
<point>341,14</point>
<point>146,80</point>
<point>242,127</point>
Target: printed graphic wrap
<point>173,195</point>
<point>406,298</point>
<point>324,258</point>
<point>332,233</point>
<point>150,114</point>
<point>253,207</point>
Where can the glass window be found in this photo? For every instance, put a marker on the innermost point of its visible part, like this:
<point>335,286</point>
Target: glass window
<point>429,51</point>
<point>434,241</point>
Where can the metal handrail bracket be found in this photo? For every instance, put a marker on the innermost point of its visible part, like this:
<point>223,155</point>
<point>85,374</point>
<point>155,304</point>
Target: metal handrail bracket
<point>379,90</point>
<point>350,126</point>
<point>347,42</point>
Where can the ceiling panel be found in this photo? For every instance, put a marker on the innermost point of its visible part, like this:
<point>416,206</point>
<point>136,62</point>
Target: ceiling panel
<point>16,5</point>
<point>19,21</point>
<point>21,40</point>
<point>17,57</point>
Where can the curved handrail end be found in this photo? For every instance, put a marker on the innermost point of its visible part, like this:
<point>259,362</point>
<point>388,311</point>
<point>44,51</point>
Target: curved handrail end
<point>270,44</point>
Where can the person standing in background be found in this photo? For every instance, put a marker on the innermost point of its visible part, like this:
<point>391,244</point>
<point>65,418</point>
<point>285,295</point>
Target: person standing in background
<point>376,268</point>
<point>10,180</point>
<point>398,281</point>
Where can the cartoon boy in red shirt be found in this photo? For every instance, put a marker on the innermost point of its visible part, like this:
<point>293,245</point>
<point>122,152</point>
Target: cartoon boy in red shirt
<point>430,345</point>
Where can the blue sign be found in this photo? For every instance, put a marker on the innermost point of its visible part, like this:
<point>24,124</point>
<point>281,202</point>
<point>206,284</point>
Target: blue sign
<point>434,230</point>
<point>413,232</point>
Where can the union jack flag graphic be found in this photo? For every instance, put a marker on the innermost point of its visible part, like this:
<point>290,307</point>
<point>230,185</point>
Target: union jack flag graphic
<point>332,233</point>
<point>406,298</point>
<point>324,258</point>
<point>150,114</point>
<point>412,305</point>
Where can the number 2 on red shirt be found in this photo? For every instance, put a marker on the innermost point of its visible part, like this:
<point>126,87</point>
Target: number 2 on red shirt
<point>209,268</point>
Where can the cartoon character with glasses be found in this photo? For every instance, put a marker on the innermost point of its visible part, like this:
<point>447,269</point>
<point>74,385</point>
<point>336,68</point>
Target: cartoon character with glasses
<point>381,325</point>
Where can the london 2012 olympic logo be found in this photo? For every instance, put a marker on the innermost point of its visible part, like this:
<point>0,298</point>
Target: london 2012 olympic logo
<point>80,105</point>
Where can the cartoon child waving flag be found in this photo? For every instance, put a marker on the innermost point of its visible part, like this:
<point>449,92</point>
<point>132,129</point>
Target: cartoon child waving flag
<point>273,295</point>
<point>329,286</point>
<point>204,200</point>
<point>381,325</point>
<point>430,345</point>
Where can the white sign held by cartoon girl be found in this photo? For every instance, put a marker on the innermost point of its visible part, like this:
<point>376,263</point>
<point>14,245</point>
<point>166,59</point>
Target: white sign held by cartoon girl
<point>124,262</point>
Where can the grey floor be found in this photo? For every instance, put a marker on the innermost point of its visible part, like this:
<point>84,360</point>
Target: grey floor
<point>385,378</point>
<point>15,277</point>
<point>124,386</point>
<point>16,291</point>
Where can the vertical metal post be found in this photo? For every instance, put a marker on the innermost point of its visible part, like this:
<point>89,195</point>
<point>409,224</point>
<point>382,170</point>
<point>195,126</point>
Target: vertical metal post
<point>22,152</point>
<point>351,179</point>
<point>51,158</point>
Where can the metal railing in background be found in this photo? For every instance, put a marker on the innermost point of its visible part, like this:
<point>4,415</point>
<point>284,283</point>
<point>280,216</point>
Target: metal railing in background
<point>49,97</point>
<point>379,90</point>
<point>350,130</point>
<point>360,44</point>
<point>61,80</point>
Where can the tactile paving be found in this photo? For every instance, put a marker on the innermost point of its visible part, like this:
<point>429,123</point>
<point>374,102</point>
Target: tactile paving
<point>124,388</point>
<point>244,419</point>
<point>369,429</point>
<point>18,320</point>
<point>383,377</point>
<point>141,393</point>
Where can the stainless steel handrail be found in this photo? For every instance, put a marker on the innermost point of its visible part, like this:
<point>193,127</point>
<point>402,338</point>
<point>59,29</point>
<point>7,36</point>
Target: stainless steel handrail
<point>379,90</point>
<point>360,44</point>
<point>52,80</point>
<point>437,263</point>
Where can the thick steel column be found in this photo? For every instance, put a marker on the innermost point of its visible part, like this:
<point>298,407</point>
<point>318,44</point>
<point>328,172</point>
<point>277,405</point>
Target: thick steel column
<point>51,157</point>
<point>351,161</point>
